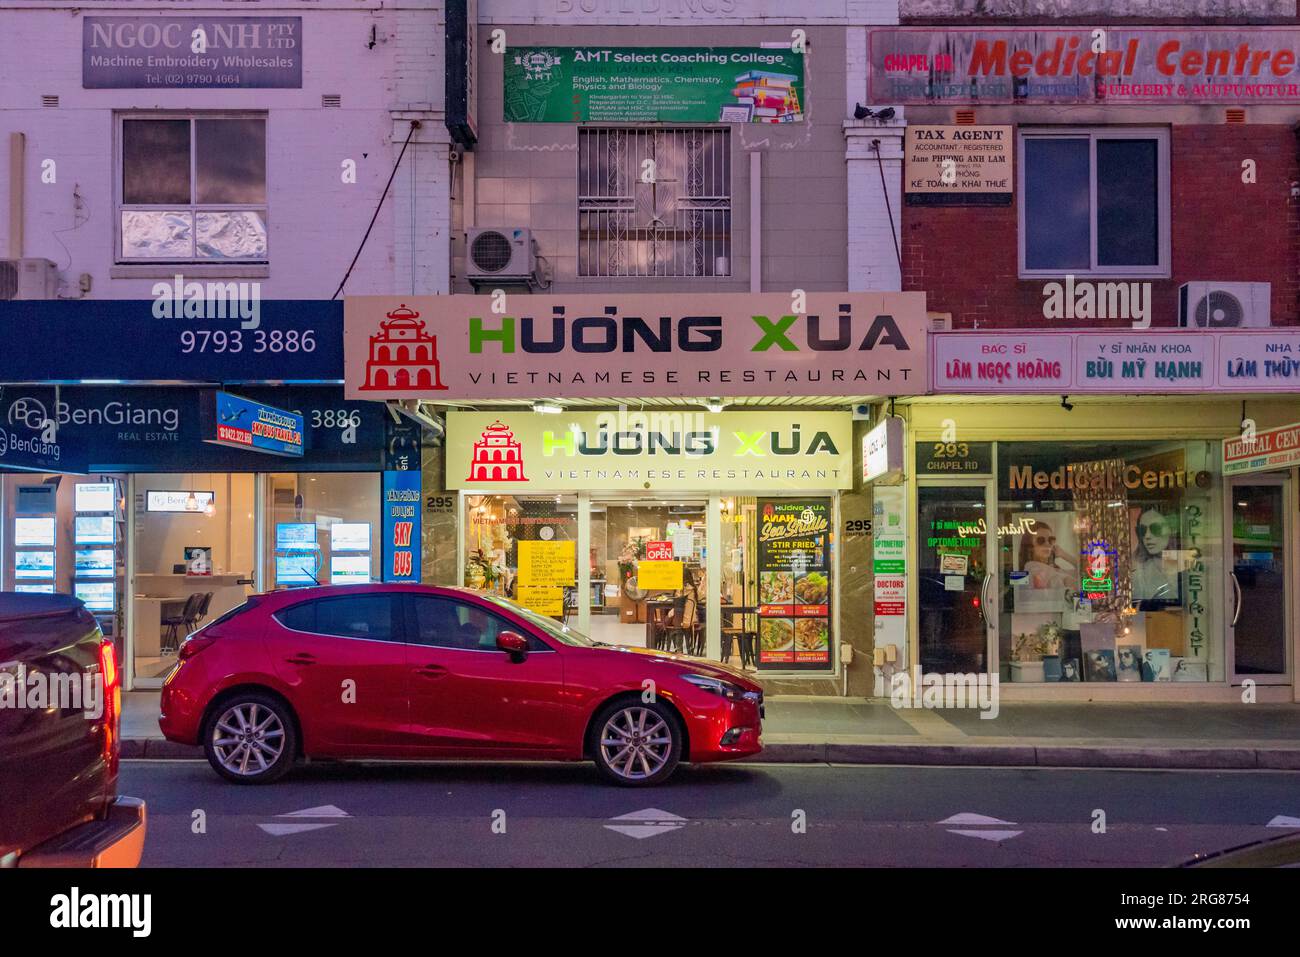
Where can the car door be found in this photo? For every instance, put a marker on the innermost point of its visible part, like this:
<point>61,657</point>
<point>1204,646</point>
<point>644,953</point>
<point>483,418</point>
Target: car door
<point>469,699</point>
<point>345,662</point>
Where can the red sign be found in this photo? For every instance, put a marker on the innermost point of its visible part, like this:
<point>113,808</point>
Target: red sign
<point>659,551</point>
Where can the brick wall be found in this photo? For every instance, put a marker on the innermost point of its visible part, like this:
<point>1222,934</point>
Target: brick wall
<point>965,258</point>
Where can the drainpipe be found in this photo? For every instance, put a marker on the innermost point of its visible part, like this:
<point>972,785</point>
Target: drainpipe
<point>17,199</point>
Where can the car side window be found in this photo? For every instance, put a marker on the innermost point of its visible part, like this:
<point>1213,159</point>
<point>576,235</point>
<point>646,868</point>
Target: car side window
<point>446,623</point>
<point>362,616</point>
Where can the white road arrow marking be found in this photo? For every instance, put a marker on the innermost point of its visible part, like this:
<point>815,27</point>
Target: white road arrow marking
<point>988,835</point>
<point>282,829</point>
<point>649,822</point>
<point>1283,821</point>
<point>969,819</point>
<point>325,810</point>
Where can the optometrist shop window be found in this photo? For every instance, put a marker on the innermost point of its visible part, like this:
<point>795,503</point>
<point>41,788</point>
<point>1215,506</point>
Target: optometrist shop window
<point>192,189</point>
<point>1110,562</point>
<point>1094,202</point>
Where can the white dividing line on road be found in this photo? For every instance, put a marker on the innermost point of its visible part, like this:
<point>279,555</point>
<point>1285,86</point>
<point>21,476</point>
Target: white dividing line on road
<point>990,828</point>
<point>323,811</point>
<point>648,822</point>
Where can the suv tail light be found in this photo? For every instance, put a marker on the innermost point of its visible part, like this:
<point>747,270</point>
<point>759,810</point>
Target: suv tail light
<point>112,702</point>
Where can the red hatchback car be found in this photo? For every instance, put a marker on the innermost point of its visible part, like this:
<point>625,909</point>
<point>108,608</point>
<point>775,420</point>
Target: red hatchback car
<point>409,671</point>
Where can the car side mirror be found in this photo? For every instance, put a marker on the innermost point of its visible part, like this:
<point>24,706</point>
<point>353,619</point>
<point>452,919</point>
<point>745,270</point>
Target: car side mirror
<point>513,644</point>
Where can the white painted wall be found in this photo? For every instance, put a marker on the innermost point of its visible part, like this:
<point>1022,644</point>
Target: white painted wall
<point>316,221</point>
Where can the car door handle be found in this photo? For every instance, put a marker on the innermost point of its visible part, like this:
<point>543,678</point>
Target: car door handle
<point>301,658</point>
<point>431,671</point>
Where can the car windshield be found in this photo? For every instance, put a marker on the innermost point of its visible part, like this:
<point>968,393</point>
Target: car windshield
<point>561,633</point>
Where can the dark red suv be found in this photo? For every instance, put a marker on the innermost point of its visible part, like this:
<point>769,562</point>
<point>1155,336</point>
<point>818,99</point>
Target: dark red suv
<point>409,671</point>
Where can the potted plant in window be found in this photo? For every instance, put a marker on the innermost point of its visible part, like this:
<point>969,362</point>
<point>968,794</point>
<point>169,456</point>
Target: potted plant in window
<point>1027,658</point>
<point>1050,636</point>
<point>480,573</point>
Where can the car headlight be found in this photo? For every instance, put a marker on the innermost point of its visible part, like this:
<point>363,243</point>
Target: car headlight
<point>717,686</point>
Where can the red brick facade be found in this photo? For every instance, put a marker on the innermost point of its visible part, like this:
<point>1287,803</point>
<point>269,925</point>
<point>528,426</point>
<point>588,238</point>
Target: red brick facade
<point>1221,229</point>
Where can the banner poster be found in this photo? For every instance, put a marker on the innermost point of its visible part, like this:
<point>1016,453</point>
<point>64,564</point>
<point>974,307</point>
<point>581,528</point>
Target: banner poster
<point>794,584</point>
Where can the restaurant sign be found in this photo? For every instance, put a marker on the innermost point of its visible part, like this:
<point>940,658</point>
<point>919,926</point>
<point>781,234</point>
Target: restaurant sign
<point>597,346</point>
<point>660,451</point>
<point>957,65</point>
<point>653,85</point>
<point>1083,363</point>
<point>1262,451</point>
<point>185,53</point>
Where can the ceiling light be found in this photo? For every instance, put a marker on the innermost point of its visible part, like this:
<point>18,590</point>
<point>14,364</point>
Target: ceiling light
<point>547,408</point>
<point>714,406</point>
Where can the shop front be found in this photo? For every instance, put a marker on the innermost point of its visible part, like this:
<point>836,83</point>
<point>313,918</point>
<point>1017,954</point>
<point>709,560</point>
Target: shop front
<point>707,533</point>
<point>156,508</point>
<point>1084,543</point>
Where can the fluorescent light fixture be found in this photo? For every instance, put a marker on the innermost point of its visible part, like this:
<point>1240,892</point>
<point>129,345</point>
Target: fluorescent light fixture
<point>547,408</point>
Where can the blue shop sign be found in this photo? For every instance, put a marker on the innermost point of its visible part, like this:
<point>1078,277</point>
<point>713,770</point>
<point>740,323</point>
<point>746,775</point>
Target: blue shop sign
<point>123,429</point>
<point>403,503</point>
<point>133,340</point>
<point>242,423</point>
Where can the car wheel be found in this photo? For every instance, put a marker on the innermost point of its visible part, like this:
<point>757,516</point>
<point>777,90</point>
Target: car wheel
<point>250,739</point>
<point>637,744</point>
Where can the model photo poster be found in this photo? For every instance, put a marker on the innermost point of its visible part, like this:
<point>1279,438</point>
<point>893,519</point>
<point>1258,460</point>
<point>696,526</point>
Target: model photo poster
<point>794,583</point>
<point>653,85</point>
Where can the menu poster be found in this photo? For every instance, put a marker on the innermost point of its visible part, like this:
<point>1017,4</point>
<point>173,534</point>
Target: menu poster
<point>794,584</point>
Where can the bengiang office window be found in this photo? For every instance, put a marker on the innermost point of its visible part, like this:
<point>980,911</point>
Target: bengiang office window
<point>1094,202</point>
<point>192,189</point>
<point>654,202</point>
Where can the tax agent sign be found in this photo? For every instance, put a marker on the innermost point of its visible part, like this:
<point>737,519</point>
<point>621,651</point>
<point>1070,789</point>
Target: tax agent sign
<point>594,346</point>
<point>163,52</point>
<point>953,65</point>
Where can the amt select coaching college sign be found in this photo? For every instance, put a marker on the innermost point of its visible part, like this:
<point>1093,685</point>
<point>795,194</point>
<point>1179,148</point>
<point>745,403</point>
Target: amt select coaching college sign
<point>461,347</point>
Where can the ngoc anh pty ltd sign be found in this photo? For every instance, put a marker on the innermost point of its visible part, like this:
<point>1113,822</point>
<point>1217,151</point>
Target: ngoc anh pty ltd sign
<point>592,346</point>
<point>659,450</point>
<point>948,65</point>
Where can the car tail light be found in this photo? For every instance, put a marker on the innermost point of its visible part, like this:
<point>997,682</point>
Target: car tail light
<point>112,702</point>
<point>192,645</point>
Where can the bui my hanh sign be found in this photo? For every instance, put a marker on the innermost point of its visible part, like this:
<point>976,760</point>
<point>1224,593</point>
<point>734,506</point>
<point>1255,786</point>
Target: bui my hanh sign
<point>594,346</point>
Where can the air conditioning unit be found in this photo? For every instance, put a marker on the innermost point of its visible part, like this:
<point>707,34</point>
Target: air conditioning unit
<point>28,279</point>
<point>500,255</point>
<point>1224,305</point>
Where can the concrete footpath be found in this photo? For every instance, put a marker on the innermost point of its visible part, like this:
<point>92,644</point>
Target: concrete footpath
<point>870,731</point>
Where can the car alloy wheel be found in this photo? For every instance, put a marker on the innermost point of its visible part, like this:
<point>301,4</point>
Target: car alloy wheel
<point>636,743</point>
<point>248,739</point>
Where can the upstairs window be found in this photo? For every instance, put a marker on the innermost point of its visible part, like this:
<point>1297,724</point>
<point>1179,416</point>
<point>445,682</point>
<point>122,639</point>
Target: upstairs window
<point>192,189</point>
<point>1094,202</point>
<point>654,202</point>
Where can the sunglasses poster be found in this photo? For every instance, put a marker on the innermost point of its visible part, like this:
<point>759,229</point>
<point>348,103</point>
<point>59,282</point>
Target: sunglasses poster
<point>1046,561</point>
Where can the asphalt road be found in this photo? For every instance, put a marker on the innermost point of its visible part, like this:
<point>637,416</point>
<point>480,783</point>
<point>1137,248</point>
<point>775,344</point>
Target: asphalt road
<point>732,815</point>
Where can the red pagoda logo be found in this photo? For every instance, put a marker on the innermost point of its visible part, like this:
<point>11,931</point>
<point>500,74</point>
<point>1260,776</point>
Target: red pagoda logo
<point>402,355</point>
<point>498,457</point>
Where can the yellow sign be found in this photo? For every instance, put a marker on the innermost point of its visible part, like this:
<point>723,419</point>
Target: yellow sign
<point>543,599</point>
<point>547,563</point>
<point>652,575</point>
<point>661,450</point>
